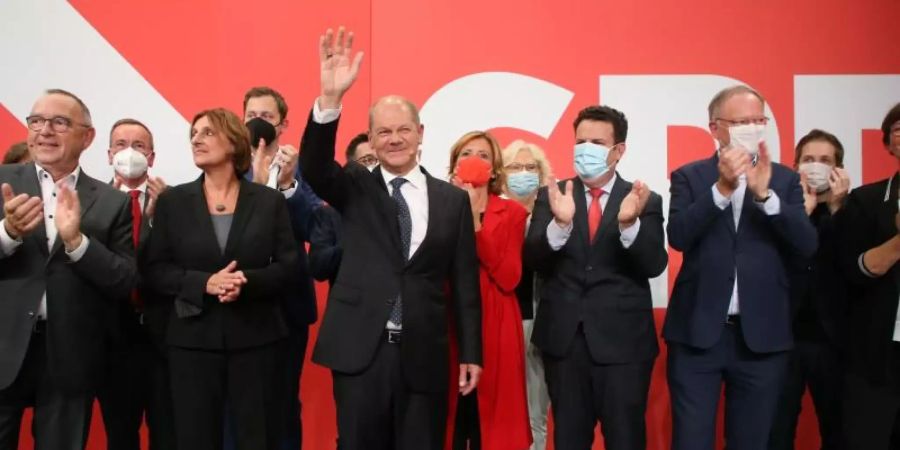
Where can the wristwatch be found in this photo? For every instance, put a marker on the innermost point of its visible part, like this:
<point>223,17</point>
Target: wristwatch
<point>763,200</point>
<point>291,186</point>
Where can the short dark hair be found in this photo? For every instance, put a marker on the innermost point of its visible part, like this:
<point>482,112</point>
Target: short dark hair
<point>892,117</point>
<point>84,108</point>
<point>351,147</point>
<point>602,113</point>
<point>16,153</point>
<point>229,124</point>
<point>129,121</point>
<point>823,136</point>
<point>265,91</point>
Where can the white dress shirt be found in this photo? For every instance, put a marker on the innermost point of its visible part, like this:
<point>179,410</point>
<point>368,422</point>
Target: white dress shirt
<point>772,207</point>
<point>557,236</point>
<point>48,193</point>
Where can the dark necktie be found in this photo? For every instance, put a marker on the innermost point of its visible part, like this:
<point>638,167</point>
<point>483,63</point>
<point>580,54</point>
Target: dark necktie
<point>135,237</point>
<point>404,220</point>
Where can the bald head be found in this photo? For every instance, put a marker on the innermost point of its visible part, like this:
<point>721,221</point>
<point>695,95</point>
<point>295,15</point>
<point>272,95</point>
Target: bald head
<point>394,101</point>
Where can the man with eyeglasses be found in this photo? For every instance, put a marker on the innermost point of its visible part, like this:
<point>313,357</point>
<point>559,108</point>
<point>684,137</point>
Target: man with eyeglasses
<point>738,219</point>
<point>360,151</point>
<point>137,379</point>
<point>266,115</point>
<point>871,238</point>
<point>66,256</point>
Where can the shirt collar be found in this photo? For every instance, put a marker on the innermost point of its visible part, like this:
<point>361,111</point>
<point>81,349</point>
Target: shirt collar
<point>414,177</point>
<point>606,188</point>
<point>70,179</point>
<point>142,187</point>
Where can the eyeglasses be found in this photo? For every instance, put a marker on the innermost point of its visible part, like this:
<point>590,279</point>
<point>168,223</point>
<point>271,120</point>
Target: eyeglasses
<point>58,124</point>
<point>518,167</point>
<point>367,160</point>
<point>748,121</point>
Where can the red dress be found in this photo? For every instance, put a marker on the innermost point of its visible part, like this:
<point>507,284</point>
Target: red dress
<point>502,397</point>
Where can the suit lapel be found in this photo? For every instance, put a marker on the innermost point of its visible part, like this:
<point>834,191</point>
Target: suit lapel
<point>29,184</point>
<point>200,210</point>
<point>611,211</point>
<point>710,174</point>
<point>86,189</point>
<point>888,213</point>
<point>387,208</point>
<point>243,211</point>
<point>434,198</point>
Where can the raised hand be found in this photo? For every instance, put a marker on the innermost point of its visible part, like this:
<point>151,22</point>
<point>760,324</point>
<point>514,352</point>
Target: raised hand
<point>287,160</point>
<point>633,204</point>
<point>759,176</point>
<point>561,204</point>
<point>261,163</point>
<point>810,198</point>
<point>155,186</point>
<point>23,213</point>
<point>337,71</point>
<point>732,164</point>
<point>68,216</point>
<point>839,184</point>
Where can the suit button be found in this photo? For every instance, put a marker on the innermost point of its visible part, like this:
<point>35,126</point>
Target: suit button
<point>31,314</point>
<point>389,301</point>
<point>588,268</point>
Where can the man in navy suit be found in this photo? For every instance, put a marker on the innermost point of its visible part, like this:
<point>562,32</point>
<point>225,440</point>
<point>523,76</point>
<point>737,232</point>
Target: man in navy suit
<point>738,218</point>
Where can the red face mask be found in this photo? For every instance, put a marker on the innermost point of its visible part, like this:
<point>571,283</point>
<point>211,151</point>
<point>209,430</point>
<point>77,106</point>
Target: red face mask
<point>474,170</point>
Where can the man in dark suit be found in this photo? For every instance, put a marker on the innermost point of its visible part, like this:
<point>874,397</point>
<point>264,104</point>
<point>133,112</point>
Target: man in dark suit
<point>595,246</point>
<point>408,242</point>
<point>870,251</point>
<point>818,299</point>
<point>137,380</point>
<point>66,260</point>
<point>269,105</point>
<point>739,220</point>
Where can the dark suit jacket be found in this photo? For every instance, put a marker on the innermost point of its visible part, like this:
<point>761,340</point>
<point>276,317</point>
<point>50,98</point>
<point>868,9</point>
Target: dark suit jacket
<point>325,244</point>
<point>183,253</point>
<point>598,284</point>
<point>300,306</point>
<point>818,288</point>
<point>868,222</point>
<point>761,249</point>
<point>80,295</point>
<point>374,271</point>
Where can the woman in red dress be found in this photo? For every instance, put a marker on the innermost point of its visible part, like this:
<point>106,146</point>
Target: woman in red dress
<point>500,419</point>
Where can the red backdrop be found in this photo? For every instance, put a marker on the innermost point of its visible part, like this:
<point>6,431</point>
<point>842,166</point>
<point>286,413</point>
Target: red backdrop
<point>207,53</point>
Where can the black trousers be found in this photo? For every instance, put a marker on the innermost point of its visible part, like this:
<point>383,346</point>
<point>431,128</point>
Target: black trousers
<point>872,410</point>
<point>249,380</point>
<point>816,364</point>
<point>61,419</point>
<point>137,384</point>
<point>583,393</point>
<point>376,410</point>
<point>752,386</point>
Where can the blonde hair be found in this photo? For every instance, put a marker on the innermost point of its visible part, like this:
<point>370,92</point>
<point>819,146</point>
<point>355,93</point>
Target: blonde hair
<point>513,149</point>
<point>498,177</point>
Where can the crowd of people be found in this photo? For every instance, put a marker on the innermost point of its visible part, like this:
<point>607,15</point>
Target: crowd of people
<point>460,313</point>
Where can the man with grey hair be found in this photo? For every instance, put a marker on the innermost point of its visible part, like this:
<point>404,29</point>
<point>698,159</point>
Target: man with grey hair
<point>66,257</point>
<point>738,218</point>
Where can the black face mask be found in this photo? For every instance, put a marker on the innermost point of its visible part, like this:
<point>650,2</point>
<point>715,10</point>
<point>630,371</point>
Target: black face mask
<point>260,129</point>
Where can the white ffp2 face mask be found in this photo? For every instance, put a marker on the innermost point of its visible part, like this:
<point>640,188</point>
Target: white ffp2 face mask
<point>816,175</point>
<point>747,137</point>
<point>130,163</point>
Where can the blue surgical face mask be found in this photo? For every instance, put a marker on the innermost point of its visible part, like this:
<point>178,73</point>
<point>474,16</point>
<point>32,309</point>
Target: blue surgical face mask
<point>522,184</point>
<point>590,160</point>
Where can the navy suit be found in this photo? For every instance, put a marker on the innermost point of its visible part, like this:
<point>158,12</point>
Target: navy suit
<point>748,354</point>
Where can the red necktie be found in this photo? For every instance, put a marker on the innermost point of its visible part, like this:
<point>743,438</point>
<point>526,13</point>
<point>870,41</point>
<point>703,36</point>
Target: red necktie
<point>135,237</point>
<point>595,214</point>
